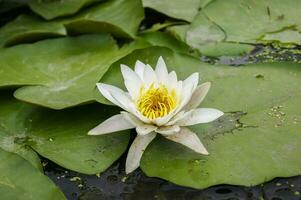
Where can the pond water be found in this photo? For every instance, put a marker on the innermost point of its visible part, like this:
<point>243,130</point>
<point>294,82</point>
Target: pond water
<point>115,184</point>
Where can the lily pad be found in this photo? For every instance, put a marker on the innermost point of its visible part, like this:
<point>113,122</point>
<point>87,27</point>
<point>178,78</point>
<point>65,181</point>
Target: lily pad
<point>20,180</point>
<point>185,10</point>
<point>166,40</point>
<point>225,49</point>
<point>106,17</point>
<point>26,28</point>
<point>109,16</point>
<point>178,31</point>
<point>288,36</point>
<point>261,145</point>
<point>52,9</point>
<point>60,136</point>
<point>60,73</point>
<point>248,21</point>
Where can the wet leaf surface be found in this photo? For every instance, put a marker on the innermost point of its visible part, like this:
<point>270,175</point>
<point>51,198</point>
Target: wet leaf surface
<point>60,73</point>
<point>107,17</point>
<point>20,180</point>
<point>53,9</point>
<point>246,22</point>
<point>60,136</point>
<point>185,10</point>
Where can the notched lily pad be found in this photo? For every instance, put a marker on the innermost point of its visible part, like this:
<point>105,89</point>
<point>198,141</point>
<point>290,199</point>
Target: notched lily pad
<point>109,16</point>
<point>60,73</point>
<point>185,10</point>
<point>20,180</point>
<point>26,28</point>
<point>224,125</point>
<point>106,17</point>
<point>53,9</point>
<point>246,22</point>
<point>60,136</point>
<point>166,40</point>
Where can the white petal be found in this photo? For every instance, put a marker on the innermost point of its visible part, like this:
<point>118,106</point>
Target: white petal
<point>189,85</point>
<point>139,120</point>
<point>198,96</point>
<point>191,81</point>
<point>131,118</point>
<point>176,118</point>
<point>136,150</point>
<point>141,128</point>
<point>136,115</point>
<point>161,70</point>
<point>145,129</point>
<point>149,76</point>
<point>163,120</point>
<point>139,68</point>
<point>172,79</point>
<point>106,90</point>
<point>113,124</point>
<point>123,99</point>
<point>132,81</point>
<point>200,115</point>
<point>168,130</point>
<point>189,139</point>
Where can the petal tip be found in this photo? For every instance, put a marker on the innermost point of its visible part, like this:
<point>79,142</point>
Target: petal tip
<point>124,68</point>
<point>128,170</point>
<point>92,133</point>
<point>138,62</point>
<point>161,59</point>
<point>221,113</point>
<point>203,151</point>
<point>207,84</point>
<point>100,86</point>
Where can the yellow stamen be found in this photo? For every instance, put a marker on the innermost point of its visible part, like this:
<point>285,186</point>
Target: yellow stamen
<point>156,101</point>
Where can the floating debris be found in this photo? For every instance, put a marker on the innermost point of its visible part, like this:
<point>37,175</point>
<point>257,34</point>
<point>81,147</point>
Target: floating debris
<point>276,112</point>
<point>123,179</point>
<point>75,178</point>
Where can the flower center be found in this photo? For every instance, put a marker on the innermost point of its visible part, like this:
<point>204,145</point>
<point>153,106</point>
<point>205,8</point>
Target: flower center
<point>156,102</point>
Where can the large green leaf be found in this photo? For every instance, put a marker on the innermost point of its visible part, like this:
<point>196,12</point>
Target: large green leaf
<point>119,17</point>
<point>26,28</point>
<point>209,39</point>
<point>247,21</point>
<point>225,49</point>
<point>263,144</point>
<point>185,10</point>
<point>12,130</point>
<point>60,73</point>
<point>179,31</point>
<point>107,17</point>
<point>166,40</point>
<point>60,136</point>
<point>53,9</point>
<point>20,180</point>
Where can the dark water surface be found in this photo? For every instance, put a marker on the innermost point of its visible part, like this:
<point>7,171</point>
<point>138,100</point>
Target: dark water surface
<point>114,184</point>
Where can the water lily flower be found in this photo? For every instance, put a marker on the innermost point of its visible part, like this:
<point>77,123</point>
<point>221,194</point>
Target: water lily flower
<point>156,103</point>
